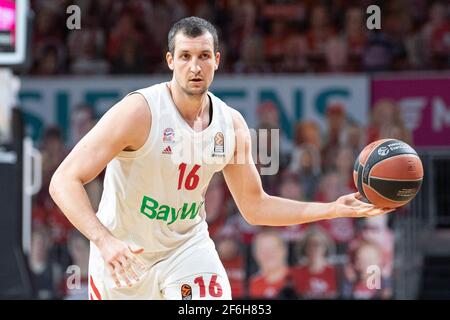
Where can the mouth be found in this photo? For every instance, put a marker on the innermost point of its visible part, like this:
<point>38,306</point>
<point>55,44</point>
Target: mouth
<point>196,80</point>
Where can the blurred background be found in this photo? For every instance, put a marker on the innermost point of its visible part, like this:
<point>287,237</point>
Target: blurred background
<point>310,68</point>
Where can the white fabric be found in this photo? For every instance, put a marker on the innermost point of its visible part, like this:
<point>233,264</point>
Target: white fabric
<point>147,201</point>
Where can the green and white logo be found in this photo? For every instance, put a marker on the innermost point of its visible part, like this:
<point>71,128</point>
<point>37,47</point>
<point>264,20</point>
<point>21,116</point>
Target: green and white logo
<point>153,210</point>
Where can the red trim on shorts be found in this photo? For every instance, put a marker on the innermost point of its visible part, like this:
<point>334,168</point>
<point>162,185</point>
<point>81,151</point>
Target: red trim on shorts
<point>96,292</point>
<point>91,297</point>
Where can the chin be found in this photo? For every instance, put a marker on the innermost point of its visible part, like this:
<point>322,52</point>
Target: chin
<point>196,91</point>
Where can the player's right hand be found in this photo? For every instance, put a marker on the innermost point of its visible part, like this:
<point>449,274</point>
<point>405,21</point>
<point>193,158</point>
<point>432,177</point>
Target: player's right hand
<point>122,261</point>
<point>351,206</point>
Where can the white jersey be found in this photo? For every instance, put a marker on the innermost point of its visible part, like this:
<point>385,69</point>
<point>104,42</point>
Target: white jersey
<point>154,197</point>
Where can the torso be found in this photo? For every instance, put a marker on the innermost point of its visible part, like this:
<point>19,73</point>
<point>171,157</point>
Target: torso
<point>154,197</point>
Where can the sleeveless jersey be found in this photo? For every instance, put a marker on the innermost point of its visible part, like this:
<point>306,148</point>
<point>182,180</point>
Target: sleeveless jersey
<point>154,197</point>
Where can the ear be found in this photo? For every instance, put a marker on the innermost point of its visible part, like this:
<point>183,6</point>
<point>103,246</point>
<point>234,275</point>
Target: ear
<point>217,60</point>
<point>169,59</point>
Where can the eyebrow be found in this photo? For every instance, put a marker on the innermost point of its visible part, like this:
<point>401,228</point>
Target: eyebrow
<point>203,51</point>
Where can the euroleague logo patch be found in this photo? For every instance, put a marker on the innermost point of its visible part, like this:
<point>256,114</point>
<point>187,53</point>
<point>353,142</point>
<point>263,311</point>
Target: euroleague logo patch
<point>186,292</point>
<point>383,151</point>
<point>219,145</point>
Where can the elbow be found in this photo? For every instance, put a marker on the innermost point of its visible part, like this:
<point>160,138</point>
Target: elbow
<point>250,218</point>
<point>252,210</point>
<point>54,184</point>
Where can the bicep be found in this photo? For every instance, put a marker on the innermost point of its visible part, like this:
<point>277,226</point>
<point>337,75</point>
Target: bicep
<point>125,125</point>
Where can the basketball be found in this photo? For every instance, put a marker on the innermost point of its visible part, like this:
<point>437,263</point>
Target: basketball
<point>388,173</point>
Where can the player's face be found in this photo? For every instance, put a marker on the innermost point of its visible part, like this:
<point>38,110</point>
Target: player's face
<point>194,62</point>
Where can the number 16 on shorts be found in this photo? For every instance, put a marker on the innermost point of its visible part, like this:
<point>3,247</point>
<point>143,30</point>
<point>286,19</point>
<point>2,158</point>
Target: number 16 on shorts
<point>203,287</point>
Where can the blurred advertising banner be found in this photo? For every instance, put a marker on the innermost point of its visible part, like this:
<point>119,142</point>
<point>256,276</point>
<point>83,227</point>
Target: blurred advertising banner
<point>424,103</point>
<point>52,100</point>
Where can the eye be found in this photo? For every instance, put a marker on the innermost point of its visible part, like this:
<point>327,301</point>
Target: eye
<point>185,56</point>
<point>204,56</point>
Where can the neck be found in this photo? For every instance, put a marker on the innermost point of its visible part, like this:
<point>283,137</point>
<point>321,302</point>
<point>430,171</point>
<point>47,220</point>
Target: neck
<point>192,108</point>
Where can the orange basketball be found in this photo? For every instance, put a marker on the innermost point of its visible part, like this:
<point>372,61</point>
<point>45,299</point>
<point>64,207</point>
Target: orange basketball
<point>388,173</point>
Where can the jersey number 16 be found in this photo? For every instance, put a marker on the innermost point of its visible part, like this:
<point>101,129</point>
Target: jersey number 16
<point>192,178</point>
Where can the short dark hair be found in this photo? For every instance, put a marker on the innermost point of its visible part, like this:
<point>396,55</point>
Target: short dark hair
<point>192,27</point>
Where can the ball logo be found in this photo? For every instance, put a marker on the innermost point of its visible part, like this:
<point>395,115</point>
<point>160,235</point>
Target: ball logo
<point>408,193</point>
<point>411,165</point>
<point>383,151</point>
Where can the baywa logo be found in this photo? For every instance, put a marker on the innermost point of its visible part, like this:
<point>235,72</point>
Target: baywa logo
<point>383,151</point>
<point>153,210</point>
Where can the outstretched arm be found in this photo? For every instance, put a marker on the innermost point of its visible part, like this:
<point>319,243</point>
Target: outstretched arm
<point>259,208</point>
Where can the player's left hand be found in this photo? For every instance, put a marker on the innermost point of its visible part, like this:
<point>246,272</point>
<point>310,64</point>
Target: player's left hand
<point>351,206</point>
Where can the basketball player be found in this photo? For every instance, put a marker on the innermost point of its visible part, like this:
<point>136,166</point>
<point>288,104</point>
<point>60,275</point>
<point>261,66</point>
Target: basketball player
<point>149,238</point>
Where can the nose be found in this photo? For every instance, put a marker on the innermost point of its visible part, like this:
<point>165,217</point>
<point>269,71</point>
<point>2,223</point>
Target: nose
<point>195,67</point>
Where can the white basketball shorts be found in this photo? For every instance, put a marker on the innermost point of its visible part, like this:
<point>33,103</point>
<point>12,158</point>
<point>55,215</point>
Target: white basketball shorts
<point>193,271</point>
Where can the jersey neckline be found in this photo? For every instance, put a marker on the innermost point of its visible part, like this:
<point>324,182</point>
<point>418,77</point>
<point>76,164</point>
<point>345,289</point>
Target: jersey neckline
<point>180,117</point>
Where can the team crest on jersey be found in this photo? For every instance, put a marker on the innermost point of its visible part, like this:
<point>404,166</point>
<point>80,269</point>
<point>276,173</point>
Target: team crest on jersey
<point>169,135</point>
<point>219,145</point>
<point>186,292</point>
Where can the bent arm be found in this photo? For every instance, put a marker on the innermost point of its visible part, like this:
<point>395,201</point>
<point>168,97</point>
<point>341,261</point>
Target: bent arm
<point>259,208</point>
<point>125,126</point>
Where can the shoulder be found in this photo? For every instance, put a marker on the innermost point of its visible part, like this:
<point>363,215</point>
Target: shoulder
<point>134,107</point>
<point>239,122</point>
<point>155,91</point>
<point>129,120</point>
<point>136,99</point>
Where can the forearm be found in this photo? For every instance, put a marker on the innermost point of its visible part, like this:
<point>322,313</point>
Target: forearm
<point>276,211</point>
<point>71,197</point>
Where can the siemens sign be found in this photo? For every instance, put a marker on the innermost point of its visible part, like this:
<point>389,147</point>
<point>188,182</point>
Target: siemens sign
<point>51,100</point>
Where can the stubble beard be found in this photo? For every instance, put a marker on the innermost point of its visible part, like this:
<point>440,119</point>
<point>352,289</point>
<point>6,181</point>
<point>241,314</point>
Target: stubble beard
<point>195,92</point>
